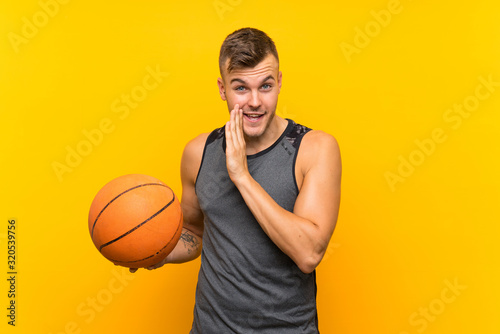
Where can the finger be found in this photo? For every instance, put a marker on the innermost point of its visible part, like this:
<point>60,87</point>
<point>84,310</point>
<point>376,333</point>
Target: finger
<point>236,107</point>
<point>158,265</point>
<point>232,140</point>
<point>231,113</point>
<point>236,129</point>
<point>228,135</point>
<point>239,128</point>
<point>155,266</point>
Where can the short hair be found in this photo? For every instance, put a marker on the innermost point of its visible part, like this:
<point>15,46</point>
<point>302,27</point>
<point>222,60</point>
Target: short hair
<point>245,47</point>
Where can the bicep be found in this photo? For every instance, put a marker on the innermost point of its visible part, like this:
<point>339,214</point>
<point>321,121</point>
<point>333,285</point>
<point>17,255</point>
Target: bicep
<point>193,216</point>
<point>190,164</point>
<point>319,196</point>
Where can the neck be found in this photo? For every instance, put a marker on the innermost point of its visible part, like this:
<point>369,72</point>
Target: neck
<point>255,145</point>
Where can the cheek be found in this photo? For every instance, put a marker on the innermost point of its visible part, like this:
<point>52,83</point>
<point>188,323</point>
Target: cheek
<point>234,99</point>
<point>271,101</point>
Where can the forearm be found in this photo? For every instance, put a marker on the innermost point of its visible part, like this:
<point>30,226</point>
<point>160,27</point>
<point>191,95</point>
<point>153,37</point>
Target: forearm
<point>187,249</point>
<point>297,237</point>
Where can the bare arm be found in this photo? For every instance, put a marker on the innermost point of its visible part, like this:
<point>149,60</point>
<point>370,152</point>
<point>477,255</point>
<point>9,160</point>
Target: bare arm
<point>189,246</point>
<point>304,234</point>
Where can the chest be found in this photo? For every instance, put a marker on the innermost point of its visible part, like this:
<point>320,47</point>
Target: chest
<point>274,171</point>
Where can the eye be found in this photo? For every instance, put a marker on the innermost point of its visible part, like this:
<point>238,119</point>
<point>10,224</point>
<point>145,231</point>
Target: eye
<point>266,86</point>
<point>240,88</point>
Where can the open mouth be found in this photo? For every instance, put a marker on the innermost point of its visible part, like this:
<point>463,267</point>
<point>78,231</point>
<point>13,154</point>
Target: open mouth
<point>253,117</point>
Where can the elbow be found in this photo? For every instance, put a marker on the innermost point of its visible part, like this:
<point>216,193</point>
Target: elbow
<point>309,264</point>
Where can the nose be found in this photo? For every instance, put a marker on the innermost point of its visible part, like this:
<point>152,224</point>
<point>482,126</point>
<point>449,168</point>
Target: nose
<point>254,101</point>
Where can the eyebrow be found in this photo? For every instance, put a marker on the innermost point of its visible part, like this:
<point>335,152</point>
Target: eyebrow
<point>270,77</point>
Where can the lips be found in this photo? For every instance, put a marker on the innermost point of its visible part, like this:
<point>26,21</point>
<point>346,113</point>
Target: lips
<point>253,117</point>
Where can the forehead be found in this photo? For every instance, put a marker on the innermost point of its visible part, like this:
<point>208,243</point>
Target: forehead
<point>268,66</point>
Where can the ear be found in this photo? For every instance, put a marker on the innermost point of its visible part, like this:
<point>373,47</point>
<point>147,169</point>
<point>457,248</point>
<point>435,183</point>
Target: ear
<point>222,90</point>
<point>279,81</point>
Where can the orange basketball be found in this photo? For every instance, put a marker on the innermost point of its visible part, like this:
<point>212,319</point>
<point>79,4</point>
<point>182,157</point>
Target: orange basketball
<point>135,221</point>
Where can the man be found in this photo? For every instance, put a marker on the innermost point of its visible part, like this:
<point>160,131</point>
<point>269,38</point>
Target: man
<point>264,209</point>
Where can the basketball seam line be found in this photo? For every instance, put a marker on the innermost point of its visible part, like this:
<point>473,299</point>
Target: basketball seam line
<point>168,243</point>
<point>136,227</point>
<point>126,191</point>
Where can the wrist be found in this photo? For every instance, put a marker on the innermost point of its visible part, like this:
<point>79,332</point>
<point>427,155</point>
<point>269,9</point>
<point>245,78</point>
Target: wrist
<point>242,180</point>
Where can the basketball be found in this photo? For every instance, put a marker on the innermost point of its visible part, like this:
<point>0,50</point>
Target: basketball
<point>135,221</point>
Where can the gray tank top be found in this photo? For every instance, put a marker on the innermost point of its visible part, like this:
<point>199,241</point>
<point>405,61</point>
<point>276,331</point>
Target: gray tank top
<point>246,284</point>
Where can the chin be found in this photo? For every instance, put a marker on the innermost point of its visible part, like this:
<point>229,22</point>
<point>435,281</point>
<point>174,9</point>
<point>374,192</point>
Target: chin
<point>253,132</point>
<point>257,131</point>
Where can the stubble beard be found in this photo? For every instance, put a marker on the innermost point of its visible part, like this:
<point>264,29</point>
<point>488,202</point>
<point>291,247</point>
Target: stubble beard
<point>266,126</point>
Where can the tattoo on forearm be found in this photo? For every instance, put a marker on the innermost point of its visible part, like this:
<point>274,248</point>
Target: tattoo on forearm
<point>190,241</point>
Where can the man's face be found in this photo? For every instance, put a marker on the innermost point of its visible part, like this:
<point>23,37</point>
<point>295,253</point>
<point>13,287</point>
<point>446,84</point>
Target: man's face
<point>256,91</point>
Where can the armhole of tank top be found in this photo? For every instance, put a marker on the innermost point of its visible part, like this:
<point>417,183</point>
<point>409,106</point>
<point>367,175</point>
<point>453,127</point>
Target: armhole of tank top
<point>202,159</point>
<point>299,141</point>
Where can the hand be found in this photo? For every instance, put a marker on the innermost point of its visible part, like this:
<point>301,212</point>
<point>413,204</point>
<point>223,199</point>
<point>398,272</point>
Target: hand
<point>236,156</point>
<point>154,266</point>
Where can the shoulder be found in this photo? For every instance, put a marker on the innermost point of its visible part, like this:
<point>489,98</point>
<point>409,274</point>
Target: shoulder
<point>320,138</point>
<point>197,144</point>
<point>318,147</point>
<point>192,156</point>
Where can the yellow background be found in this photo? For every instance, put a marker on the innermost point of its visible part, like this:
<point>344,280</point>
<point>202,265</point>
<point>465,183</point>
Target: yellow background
<point>396,248</point>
